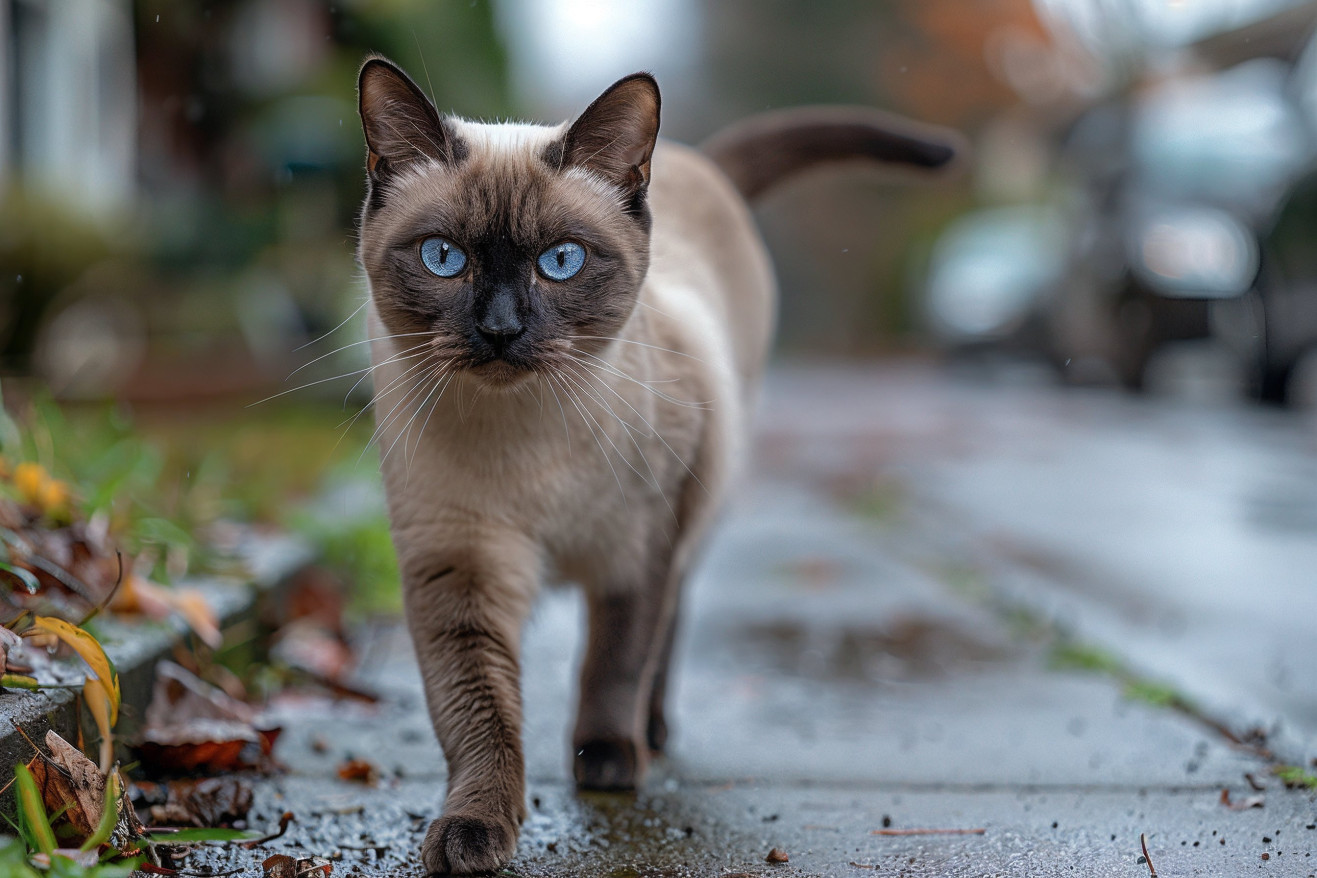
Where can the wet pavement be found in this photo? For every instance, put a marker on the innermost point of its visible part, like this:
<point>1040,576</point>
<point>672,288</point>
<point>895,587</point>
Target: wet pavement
<point>873,640</point>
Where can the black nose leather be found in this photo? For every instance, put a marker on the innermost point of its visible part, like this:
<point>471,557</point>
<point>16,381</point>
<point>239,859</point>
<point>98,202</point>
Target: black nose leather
<point>499,324</point>
<point>501,330</point>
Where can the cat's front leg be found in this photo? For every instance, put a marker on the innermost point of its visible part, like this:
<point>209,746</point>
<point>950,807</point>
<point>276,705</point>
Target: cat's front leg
<point>465,619</point>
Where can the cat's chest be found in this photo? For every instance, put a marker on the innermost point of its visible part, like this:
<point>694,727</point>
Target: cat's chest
<point>574,481</point>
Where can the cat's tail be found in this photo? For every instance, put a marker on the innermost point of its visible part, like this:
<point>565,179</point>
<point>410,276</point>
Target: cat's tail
<point>763,150</point>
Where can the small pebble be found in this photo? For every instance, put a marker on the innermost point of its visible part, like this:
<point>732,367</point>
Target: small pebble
<point>777,855</point>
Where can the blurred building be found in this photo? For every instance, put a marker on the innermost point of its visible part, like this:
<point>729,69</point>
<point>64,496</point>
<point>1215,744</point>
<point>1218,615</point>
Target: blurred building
<point>68,99</point>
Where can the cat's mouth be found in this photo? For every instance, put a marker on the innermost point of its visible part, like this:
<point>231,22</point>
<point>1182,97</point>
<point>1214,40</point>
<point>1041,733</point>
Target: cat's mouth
<point>503,370</point>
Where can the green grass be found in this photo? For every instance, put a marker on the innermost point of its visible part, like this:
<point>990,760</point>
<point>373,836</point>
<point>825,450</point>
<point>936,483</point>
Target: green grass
<point>1069,655</point>
<point>1295,778</point>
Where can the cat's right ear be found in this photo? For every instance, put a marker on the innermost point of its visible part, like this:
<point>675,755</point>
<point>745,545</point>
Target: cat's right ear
<point>401,125</point>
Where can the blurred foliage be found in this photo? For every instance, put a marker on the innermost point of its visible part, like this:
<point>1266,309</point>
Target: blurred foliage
<point>160,480</point>
<point>358,548</point>
<point>239,245</point>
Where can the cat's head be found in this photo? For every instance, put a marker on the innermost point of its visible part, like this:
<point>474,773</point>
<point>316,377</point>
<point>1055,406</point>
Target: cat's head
<point>505,246</point>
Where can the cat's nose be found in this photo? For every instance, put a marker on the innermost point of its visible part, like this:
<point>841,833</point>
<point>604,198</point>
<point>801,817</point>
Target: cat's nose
<point>500,332</point>
<point>499,324</point>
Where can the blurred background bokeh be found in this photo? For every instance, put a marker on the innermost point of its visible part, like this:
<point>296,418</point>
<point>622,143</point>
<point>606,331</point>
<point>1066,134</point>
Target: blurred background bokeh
<point>179,179</point>
<point>179,182</point>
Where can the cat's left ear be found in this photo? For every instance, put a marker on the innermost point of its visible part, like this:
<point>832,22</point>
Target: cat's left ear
<point>615,135</point>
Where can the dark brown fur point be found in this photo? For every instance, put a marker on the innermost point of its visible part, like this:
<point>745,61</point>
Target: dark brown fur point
<point>764,150</point>
<point>579,429</point>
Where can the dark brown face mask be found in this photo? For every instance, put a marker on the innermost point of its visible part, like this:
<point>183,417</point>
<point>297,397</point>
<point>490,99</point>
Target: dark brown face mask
<point>505,251</point>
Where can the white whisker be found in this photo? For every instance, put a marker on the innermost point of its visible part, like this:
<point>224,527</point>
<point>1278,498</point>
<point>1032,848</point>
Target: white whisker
<point>355,312</point>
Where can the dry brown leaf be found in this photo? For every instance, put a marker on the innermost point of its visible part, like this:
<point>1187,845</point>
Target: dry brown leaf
<point>180,696</point>
<point>194,727</point>
<point>1242,804</point>
<point>360,771</point>
<point>211,801</point>
<point>77,783</point>
<point>279,866</point>
<point>141,596</point>
<point>284,866</point>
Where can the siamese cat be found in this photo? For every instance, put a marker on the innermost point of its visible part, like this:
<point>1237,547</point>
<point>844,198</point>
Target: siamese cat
<point>568,324</point>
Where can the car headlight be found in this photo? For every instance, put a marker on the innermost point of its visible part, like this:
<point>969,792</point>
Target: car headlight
<point>1194,253</point>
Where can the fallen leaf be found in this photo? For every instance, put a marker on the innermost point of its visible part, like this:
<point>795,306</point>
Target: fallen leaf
<point>207,802</point>
<point>180,695</point>
<point>360,771</point>
<point>304,645</point>
<point>201,746</point>
<point>138,595</point>
<point>284,866</point>
<point>1242,804</point>
<point>279,866</point>
<point>193,727</point>
<point>88,649</point>
<point>70,782</point>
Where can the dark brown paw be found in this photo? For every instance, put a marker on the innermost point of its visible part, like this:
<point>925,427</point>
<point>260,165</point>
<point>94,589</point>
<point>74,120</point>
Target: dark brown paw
<point>609,765</point>
<point>459,844</point>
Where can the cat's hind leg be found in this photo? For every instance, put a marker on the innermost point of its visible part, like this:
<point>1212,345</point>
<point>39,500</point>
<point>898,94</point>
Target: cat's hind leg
<point>628,631</point>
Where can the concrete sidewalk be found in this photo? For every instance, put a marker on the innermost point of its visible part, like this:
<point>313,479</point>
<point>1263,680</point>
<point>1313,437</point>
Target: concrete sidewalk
<point>870,644</point>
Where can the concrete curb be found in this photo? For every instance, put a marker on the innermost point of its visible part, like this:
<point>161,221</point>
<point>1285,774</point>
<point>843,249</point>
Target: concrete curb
<point>136,647</point>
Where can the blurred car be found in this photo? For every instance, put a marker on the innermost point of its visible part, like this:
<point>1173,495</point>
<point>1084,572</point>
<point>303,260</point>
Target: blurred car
<point>1189,217</point>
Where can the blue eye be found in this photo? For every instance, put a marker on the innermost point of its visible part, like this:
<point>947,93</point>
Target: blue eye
<point>442,257</point>
<point>562,261</point>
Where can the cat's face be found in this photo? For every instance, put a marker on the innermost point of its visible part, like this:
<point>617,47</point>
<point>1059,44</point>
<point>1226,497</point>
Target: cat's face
<point>505,248</point>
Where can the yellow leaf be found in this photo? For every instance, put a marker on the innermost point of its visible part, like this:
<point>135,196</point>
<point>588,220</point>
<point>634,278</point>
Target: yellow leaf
<point>196,611</point>
<point>100,704</point>
<point>89,650</point>
<point>28,479</point>
<point>54,497</point>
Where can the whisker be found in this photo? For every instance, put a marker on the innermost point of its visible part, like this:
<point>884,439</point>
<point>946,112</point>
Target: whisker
<point>654,432</point>
<point>355,312</point>
<point>566,432</point>
<point>630,431</point>
<point>433,406</point>
<point>437,374</point>
<point>642,344</point>
<point>625,426</point>
<point>353,345</point>
<point>379,394</point>
<point>410,395</point>
<point>600,363</point>
<point>585,419</point>
<point>395,358</point>
<point>362,372</point>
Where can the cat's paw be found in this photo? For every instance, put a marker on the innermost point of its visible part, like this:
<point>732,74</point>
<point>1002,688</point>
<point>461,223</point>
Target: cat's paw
<point>612,764</point>
<point>459,844</point>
